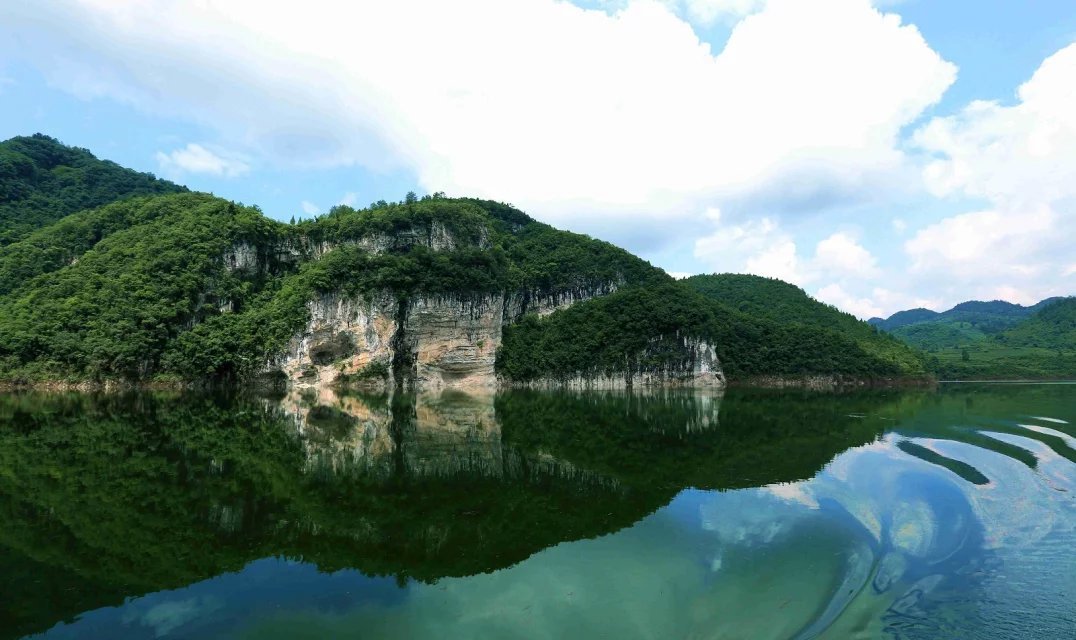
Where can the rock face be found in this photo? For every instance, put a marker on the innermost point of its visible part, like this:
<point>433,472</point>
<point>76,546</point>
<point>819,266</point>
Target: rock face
<point>253,259</point>
<point>432,342</point>
<point>345,336</point>
<point>436,342</point>
<point>697,367</point>
<point>452,340</point>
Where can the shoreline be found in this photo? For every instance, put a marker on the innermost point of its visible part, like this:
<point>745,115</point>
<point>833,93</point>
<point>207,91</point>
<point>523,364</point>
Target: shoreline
<point>808,383</point>
<point>812,383</point>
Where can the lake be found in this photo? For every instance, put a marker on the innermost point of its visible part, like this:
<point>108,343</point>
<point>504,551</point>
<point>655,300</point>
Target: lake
<point>947,513</point>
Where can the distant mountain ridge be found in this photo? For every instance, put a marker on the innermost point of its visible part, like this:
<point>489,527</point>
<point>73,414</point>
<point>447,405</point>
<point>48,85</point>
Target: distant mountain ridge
<point>993,340</point>
<point>989,316</point>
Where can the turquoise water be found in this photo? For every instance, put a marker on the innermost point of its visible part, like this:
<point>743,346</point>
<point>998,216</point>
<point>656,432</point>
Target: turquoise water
<point>946,513</point>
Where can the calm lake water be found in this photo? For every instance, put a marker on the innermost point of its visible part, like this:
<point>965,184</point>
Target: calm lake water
<point>753,514</point>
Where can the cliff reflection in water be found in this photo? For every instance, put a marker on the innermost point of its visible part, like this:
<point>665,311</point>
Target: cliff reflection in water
<point>763,514</point>
<point>110,497</point>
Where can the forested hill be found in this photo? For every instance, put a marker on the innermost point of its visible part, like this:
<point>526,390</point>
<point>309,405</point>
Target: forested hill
<point>987,317</point>
<point>788,305</point>
<point>966,323</point>
<point>42,181</point>
<point>1053,327</point>
<point>187,286</point>
<point>997,340</point>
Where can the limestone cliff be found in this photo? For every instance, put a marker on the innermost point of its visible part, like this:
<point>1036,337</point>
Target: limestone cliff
<point>344,336</point>
<point>282,253</point>
<point>696,366</point>
<point>385,337</point>
<point>434,342</point>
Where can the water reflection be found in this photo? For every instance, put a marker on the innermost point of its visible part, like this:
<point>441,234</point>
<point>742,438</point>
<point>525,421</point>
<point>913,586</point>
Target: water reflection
<point>756,514</point>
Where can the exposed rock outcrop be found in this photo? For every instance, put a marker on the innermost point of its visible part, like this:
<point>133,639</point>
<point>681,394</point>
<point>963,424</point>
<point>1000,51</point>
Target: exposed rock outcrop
<point>697,367</point>
<point>277,256</point>
<point>436,342</point>
<point>345,336</point>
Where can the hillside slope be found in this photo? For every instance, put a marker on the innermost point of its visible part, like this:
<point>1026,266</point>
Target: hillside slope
<point>965,323</point>
<point>787,305</point>
<point>1042,346</point>
<point>994,340</point>
<point>42,181</point>
<point>431,292</point>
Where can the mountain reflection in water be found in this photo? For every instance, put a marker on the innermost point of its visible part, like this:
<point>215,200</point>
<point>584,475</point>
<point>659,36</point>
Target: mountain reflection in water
<point>761,514</point>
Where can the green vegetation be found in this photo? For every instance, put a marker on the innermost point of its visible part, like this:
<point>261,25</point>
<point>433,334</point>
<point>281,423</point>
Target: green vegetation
<point>995,340</point>
<point>41,181</point>
<point>965,323</point>
<point>1042,346</point>
<point>116,307</point>
<point>790,307</point>
<point>190,287</point>
<point>641,329</point>
<point>141,288</point>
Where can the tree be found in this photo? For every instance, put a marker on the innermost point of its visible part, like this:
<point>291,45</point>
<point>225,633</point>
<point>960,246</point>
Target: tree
<point>411,198</point>
<point>964,355</point>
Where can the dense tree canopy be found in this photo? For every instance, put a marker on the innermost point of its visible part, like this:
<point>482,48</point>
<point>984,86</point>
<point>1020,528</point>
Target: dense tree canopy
<point>993,340</point>
<point>189,286</point>
<point>41,181</point>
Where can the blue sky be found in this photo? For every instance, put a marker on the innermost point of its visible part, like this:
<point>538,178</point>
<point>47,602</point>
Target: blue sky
<point>880,154</point>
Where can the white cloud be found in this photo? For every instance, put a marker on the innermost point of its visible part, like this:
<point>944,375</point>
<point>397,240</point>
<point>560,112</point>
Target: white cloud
<point>982,243</point>
<point>309,208</point>
<point>1010,155</point>
<point>899,225</point>
<point>763,248</point>
<point>350,199</point>
<point>757,246</point>
<point>1021,159</point>
<point>841,254</point>
<point>710,11</point>
<point>835,295</point>
<point>558,109</point>
<point>194,158</point>
<point>777,261</point>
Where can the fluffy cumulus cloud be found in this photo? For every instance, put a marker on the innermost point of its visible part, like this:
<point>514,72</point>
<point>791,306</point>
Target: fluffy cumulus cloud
<point>194,158</point>
<point>1021,159</point>
<point>764,248</point>
<point>760,246</point>
<point>616,121</point>
<point>843,254</point>
<point>554,107</point>
<point>835,295</point>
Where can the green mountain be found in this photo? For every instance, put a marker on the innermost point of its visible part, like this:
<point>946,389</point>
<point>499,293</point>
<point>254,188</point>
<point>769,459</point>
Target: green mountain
<point>966,321</point>
<point>997,340</point>
<point>42,181</point>
<point>1053,327</point>
<point>789,306</point>
<point>430,292</point>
